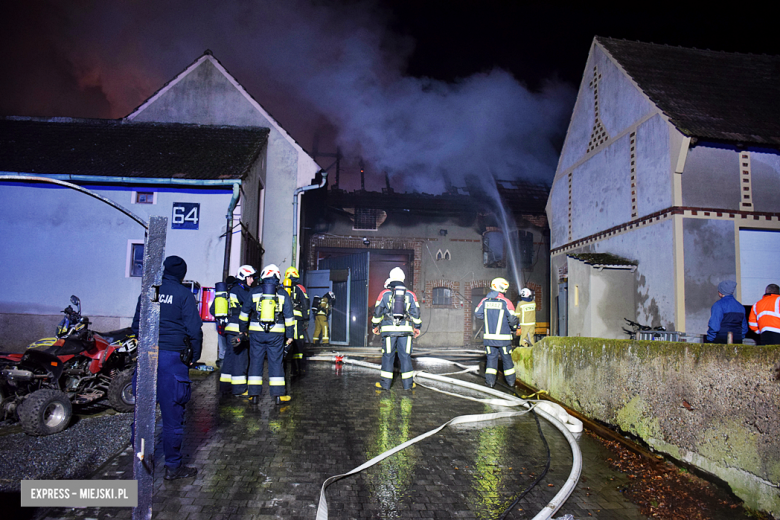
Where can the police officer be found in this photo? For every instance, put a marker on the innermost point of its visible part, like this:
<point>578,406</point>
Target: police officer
<point>321,318</point>
<point>397,319</point>
<point>233,376</point>
<point>268,315</point>
<point>300,302</point>
<point>526,313</point>
<point>500,320</point>
<point>180,347</point>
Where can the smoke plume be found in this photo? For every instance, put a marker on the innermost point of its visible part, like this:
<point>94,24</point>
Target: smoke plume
<point>331,67</point>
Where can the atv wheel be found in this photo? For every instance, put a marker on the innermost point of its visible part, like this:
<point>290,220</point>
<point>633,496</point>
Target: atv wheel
<point>45,412</point>
<point>120,392</point>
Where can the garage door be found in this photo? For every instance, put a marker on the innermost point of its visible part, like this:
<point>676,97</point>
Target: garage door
<point>759,253</point>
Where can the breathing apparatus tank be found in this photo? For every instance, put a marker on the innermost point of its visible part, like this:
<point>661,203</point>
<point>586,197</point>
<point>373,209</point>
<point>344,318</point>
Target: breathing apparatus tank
<point>268,306</point>
<point>288,285</point>
<point>220,301</point>
<point>399,304</point>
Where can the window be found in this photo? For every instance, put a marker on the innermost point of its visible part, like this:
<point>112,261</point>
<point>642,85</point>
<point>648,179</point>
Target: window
<point>135,258</point>
<point>442,296</point>
<point>365,218</point>
<point>144,197</point>
<point>525,241</point>
<point>493,249</point>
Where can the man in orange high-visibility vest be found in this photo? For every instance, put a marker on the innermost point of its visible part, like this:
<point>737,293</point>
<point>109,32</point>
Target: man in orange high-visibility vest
<point>765,316</point>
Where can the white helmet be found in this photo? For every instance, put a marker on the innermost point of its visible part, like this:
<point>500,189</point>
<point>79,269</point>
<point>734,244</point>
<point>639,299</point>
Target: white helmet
<point>271,270</point>
<point>397,275</point>
<point>244,271</point>
<point>525,292</point>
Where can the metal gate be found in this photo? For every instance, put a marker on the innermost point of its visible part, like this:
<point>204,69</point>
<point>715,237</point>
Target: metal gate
<point>348,279</point>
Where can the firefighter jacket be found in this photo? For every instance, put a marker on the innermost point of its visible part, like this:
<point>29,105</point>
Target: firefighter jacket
<point>727,315</point>
<point>500,320</point>
<point>300,302</point>
<point>284,319</point>
<point>765,314</point>
<point>238,294</point>
<point>383,313</point>
<point>180,321</point>
<point>526,312</point>
<point>323,308</point>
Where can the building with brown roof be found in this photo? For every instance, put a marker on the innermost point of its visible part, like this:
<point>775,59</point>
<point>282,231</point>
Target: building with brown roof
<point>671,162</point>
<point>198,151</point>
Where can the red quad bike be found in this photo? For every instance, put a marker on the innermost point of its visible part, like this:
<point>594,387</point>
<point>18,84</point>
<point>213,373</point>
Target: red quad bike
<point>79,366</point>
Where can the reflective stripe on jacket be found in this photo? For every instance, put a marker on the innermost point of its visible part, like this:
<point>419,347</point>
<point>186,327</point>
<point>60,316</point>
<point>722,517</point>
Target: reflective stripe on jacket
<point>499,315</point>
<point>250,313</point>
<point>383,313</point>
<point>765,314</point>
<point>526,312</point>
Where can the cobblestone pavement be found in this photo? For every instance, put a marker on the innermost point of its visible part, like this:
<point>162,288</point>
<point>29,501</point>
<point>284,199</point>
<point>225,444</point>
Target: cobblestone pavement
<point>263,461</point>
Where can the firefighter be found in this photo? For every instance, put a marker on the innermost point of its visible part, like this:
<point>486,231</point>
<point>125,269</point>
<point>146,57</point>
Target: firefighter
<point>233,374</point>
<point>268,315</point>
<point>397,319</point>
<point>321,318</point>
<point>300,302</point>
<point>500,321</point>
<point>526,314</point>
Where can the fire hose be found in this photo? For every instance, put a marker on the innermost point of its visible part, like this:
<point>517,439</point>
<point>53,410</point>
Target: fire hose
<point>553,413</point>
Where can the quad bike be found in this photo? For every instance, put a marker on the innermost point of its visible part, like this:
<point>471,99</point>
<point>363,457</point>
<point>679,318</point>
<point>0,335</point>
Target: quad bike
<point>636,328</point>
<point>40,386</point>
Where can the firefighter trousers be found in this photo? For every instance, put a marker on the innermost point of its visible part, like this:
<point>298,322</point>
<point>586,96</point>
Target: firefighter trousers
<point>321,327</point>
<point>235,366</point>
<point>264,345</point>
<point>392,345</point>
<point>491,369</point>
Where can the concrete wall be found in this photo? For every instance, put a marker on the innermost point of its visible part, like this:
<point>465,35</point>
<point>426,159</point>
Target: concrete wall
<point>710,258</point>
<point>765,173</point>
<point>59,242</point>
<point>599,300</point>
<point>713,406</point>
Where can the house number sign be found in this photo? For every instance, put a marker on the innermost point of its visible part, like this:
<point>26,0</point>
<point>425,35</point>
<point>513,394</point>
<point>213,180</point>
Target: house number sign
<point>186,215</point>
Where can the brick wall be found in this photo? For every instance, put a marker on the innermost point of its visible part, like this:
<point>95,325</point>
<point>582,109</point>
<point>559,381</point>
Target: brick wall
<point>450,284</point>
<point>468,317</point>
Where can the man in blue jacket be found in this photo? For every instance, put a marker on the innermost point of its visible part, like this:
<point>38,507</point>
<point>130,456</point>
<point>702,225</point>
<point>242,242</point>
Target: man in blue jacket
<point>180,331</point>
<point>727,315</point>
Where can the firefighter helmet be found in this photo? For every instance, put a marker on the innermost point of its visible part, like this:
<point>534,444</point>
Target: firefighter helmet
<point>526,293</point>
<point>292,272</point>
<point>271,270</point>
<point>245,271</point>
<point>499,284</point>
<point>397,275</point>
<point>331,296</point>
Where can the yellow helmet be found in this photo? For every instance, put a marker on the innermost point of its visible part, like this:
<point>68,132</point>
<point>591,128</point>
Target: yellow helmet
<point>499,284</point>
<point>291,272</point>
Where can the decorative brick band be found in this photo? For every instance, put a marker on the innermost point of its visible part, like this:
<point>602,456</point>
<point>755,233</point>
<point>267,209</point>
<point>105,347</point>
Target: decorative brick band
<point>433,284</point>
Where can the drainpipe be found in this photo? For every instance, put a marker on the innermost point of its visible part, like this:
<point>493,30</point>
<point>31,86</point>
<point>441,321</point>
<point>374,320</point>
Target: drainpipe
<point>229,228</point>
<point>298,191</point>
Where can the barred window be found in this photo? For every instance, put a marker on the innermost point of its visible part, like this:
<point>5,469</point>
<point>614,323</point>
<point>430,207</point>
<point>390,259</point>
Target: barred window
<point>365,218</point>
<point>442,296</point>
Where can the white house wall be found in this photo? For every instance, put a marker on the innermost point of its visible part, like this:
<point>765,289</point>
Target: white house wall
<point>765,173</point>
<point>206,95</point>
<point>59,242</point>
<point>621,104</point>
<point>711,178</point>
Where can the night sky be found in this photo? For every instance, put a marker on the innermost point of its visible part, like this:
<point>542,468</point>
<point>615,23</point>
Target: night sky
<point>429,92</point>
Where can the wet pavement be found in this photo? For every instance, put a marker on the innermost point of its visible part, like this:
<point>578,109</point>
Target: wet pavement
<point>263,461</point>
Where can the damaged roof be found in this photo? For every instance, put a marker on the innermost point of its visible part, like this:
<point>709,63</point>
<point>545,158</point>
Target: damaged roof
<point>117,148</point>
<point>712,95</point>
<point>601,260</point>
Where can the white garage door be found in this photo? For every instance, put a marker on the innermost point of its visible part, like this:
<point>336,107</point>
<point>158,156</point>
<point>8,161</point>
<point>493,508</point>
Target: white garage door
<point>759,253</point>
